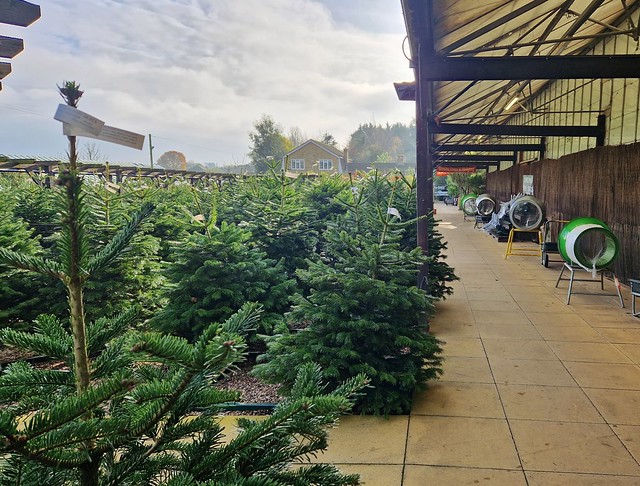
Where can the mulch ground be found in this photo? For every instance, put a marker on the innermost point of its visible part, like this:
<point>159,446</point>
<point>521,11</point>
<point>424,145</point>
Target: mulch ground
<point>251,389</point>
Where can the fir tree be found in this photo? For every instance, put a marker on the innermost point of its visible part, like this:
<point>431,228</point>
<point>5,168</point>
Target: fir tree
<point>214,274</point>
<point>322,195</point>
<point>181,210</point>
<point>35,205</point>
<point>133,408</point>
<point>363,315</point>
<point>271,207</point>
<point>134,275</point>
<point>440,273</point>
<point>18,291</point>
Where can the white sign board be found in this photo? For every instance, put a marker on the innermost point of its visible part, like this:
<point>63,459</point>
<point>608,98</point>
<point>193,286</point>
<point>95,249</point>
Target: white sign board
<point>78,119</point>
<point>108,134</point>
<point>527,185</point>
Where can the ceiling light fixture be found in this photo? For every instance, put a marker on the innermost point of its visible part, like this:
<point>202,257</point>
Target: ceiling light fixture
<point>511,103</point>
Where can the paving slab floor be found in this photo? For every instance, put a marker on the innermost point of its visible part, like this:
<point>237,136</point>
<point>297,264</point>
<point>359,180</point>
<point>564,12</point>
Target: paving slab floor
<point>534,392</point>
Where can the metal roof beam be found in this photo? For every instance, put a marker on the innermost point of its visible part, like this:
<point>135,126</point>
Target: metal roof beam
<point>493,25</point>
<point>579,22</point>
<point>520,45</point>
<point>552,25</point>
<point>441,68</point>
<point>487,147</point>
<point>470,163</point>
<point>475,101</point>
<point>518,130</point>
<point>475,158</point>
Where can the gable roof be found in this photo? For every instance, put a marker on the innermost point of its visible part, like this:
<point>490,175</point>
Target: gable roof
<point>324,146</point>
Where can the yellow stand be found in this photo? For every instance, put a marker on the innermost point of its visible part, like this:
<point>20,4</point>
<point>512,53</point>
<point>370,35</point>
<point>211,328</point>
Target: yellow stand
<point>523,251</point>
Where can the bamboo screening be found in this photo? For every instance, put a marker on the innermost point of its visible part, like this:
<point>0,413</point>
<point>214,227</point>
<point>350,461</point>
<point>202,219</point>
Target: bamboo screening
<point>603,182</point>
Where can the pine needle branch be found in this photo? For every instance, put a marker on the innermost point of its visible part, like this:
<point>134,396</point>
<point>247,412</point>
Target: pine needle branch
<point>31,263</point>
<point>119,241</point>
<point>70,408</point>
<point>38,343</point>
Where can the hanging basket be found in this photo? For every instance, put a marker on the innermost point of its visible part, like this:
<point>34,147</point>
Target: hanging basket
<point>589,243</point>
<point>527,213</point>
<point>468,204</point>
<point>485,205</point>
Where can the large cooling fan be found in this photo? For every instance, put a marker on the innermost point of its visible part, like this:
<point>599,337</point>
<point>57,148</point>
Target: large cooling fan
<point>485,205</point>
<point>527,213</point>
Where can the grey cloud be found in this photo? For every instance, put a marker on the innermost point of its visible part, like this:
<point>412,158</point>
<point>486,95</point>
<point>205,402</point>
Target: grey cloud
<point>203,71</point>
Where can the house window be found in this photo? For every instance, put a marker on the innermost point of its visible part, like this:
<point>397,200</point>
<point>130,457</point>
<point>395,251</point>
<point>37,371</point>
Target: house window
<point>297,164</point>
<point>325,164</point>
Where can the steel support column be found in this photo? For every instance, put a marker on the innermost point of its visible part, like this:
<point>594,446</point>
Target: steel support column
<point>424,159</point>
<point>602,130</point>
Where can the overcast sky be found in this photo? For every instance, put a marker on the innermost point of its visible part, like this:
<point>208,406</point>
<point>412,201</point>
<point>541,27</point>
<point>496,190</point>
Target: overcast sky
<point>197,74</point>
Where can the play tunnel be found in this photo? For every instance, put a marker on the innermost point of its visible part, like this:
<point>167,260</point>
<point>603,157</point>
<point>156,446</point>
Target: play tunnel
<point>589,243</point>
<point>468,204</point>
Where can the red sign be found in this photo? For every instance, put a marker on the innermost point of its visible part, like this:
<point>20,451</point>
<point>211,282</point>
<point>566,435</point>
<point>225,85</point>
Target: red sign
<point>446,170</point>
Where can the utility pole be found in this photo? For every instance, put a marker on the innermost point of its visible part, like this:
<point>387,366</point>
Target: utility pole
<point>151,151</point>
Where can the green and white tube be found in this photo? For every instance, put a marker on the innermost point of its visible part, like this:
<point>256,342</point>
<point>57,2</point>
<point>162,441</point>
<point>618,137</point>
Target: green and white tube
<point>468,204</point>
<point>588,243</point>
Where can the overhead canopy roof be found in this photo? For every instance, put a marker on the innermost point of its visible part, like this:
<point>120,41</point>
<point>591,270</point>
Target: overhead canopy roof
<point>480,62</point>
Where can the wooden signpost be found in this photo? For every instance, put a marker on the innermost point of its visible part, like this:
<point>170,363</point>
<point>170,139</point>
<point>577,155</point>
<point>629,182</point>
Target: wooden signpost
<point>10,47</point>
<point>108,134</point>
<point>5,69</point>
<point>76,123</point>
<point>78,119</point>
<point>20,13</point>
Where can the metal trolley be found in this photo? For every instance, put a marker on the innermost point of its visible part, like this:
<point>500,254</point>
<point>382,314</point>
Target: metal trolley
<point>548,246</point>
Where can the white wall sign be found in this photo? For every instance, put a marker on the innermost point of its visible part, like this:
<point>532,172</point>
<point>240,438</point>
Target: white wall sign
<point>527,185</point>
<point>108,134</point>
<point>78,119</point>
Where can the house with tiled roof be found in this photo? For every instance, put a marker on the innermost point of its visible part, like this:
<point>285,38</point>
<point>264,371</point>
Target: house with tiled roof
<point>313,157</point>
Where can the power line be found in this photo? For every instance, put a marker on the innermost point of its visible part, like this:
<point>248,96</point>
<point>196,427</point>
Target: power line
<point>16,108</point>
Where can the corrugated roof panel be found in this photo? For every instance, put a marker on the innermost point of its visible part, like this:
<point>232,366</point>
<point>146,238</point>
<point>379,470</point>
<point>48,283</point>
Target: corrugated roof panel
<point>506,28</point>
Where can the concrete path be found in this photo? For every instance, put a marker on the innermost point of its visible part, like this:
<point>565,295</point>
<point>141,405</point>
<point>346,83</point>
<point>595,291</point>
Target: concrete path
<point>535,392</point>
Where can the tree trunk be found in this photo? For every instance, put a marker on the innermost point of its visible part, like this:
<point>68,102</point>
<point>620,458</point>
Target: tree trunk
<point>89,472</point>
<point>74,282</point>
<point>78,329</point>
